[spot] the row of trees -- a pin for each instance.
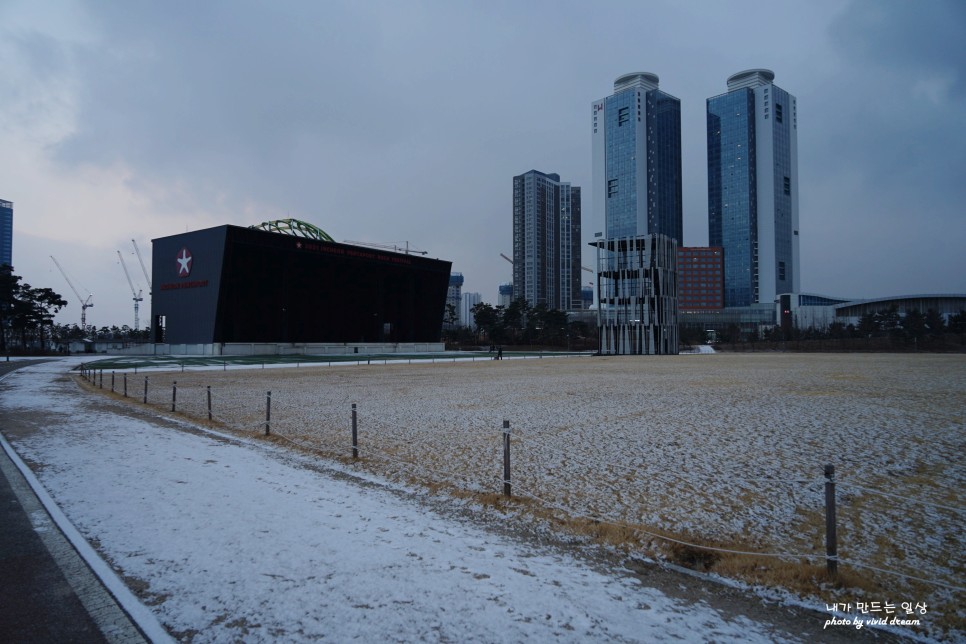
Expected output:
(68, 332)
(913, 325)
(26, 313)
(27, 318)
(521, 324)
(910, 326)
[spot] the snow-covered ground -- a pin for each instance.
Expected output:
(232, 540)
(728, 448)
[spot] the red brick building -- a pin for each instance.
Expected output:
(700, 278)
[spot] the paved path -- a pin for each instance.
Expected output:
(47, 591)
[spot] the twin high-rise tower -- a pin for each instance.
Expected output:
(753, 188)
(752, 134)
(637, 159)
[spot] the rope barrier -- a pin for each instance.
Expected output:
(446, 476)
(849, 562)
(899, 496)
(672, 539)
(932, 582)
(689, 478)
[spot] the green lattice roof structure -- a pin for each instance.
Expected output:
(295, 228)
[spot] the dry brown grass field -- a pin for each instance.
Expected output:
(720, 451)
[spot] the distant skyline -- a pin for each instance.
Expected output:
(405, 122)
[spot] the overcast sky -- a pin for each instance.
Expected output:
(398, 121)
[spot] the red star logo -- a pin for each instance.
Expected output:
(184, 262)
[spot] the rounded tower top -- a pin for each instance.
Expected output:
(646, 79)
(750, 78)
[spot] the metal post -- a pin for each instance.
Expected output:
(355, 433)
(145, 390)
(174, 394)
(125, 385)
(268, 414)
(102, 379)
(112, 381)
(209, 403)
(831, 546)
(506, 458)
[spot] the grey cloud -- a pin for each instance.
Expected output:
(389, 121)
(923, 38)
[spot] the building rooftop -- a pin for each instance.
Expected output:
(646, 80)
(750, 78)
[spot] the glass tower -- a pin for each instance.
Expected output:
(753, 188)
(6, 232)
(546, 241)
(637, 160)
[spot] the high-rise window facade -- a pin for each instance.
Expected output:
(467, 317)
(752, 188)
(546, 241)
(454, 302)
(700, 284)
(636, 134)
(6, 232)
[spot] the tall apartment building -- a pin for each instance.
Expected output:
(546, 241)
(6, 232)
(466, 311)
(637, 160)
(505, 295)
(454, 301)
(753, 188)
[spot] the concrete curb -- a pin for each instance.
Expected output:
(138, 613)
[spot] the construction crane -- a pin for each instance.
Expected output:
(85, 304)
(404, 249)
(144, 270)
(137, 295)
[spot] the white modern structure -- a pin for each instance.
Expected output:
(753, 188)
(637, 282)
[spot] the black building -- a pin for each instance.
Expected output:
(234, 284)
